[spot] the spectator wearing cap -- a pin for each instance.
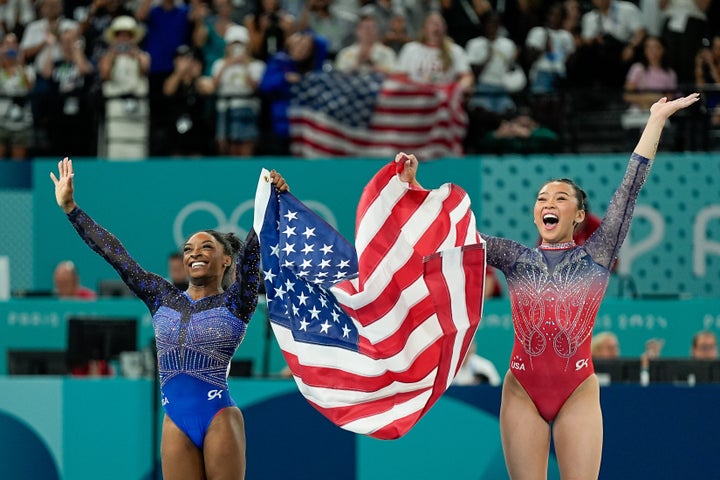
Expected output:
(100, 15)
(123, 72)
(187, 94)
(124, 66)
(236, 77)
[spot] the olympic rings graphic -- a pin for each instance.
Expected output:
(224, 223)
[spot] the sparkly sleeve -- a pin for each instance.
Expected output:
(147, 286)
(604, 244)
(501, 252)
(243, 294)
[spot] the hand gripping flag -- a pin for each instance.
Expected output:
(373, 337)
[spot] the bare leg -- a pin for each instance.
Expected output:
(525, 434)
(181, 459)
(578, 433)
(224, 446)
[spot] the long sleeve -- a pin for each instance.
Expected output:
(604, 244)
(147, 286)
(243, 294)
(502, 252)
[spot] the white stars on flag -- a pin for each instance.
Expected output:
(300, 268)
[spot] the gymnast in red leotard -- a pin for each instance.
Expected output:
(555, 292)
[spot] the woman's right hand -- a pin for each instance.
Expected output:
(64, 185)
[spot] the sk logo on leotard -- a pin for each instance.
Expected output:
(582, 363)
(213, 394)
(165, 401)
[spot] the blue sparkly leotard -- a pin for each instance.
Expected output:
(196, 340)
(555, 294)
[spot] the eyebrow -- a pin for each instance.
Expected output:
(547, 193)
(203, 243)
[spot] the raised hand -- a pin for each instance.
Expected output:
(64, 187)
(660, 111)
(410, 168)
(664, 108)
(279, 181)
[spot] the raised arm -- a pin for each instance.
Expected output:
(149, 287)
(660, 111)
(501, 252)
(604, 244)
(242, 294)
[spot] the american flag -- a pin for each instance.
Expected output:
(335, 114)
(373, 336)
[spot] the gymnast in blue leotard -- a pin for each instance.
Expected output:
(197, 332)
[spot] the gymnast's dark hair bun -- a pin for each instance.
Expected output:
(234, 242)
(230, 242)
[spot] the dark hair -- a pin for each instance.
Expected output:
(664, 60)
(580, 194)
(232, 245)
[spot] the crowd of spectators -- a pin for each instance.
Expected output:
(132, 78)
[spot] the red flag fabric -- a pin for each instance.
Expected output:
(374, 334)
(335, 114)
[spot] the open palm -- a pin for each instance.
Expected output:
(64, 187)
(666, 108)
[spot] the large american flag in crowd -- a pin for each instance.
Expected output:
(375, 334)
(335, 114)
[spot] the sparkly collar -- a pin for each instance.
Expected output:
(557, 246)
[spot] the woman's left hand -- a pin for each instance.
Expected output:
(664, 108)
(279, 181)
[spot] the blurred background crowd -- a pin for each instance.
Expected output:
(138, 78)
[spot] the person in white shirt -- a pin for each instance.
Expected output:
(435, 58)
(548, 48)
(610, 34)
(367, 54)
(236, 77)
(493, 59)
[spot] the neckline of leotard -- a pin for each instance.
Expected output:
(557, 246)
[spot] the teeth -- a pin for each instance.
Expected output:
(197, 264)
(550, 218)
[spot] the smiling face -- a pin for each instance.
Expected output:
(557, 212)
(205, 259)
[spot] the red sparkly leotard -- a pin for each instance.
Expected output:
(555, 295)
